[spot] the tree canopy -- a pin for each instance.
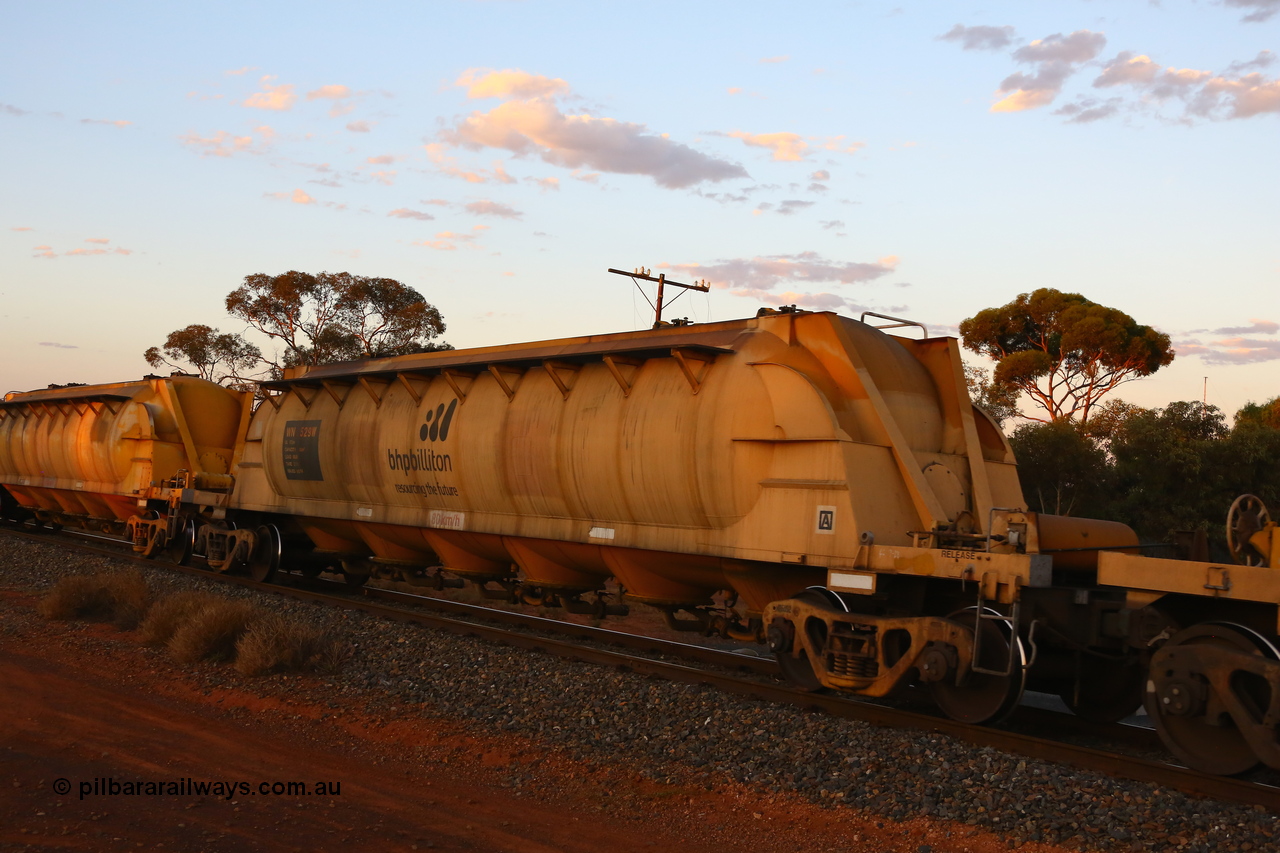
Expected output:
(314, 319)
(1157, 470)
(1262, 414)
(215, 355)
(331, 317)
(1064, 351)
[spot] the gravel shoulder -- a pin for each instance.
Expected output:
(449, 743)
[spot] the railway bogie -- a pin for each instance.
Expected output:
(797, 479)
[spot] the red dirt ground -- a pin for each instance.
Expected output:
(81, 703)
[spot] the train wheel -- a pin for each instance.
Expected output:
(183, 545)
(1106, 691)
(799, 670)
(985, 698)
(1191, 721)
(265, 559)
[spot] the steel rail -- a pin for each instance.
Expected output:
(1088, 758)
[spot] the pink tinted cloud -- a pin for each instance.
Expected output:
(446, 241)
(272, 97)
(510, 83)
(224, 144)
(764, 273)
(1241, 346)
(296, 197)
(1055, 58)
(539, 129)
(785, 146)
(485, 207)
(406, 213)
(1204, 94)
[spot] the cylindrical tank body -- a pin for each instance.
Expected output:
(93, 451)
(748, 454)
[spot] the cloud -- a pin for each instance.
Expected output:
(341, 96)
(1242, 346)
(539, 129)
(1080, 46)
(446, 241)
(271, 97)
(492, 208)
(790, 206)
(438, 202)
(100, 240)
(979, 38)
(829, 224)
(765, 272)
(785, 146)
(510, 83)
(498, 174)
(224, 144)
(381, 160)
(532, 125)
(1085, 110)
(1263, 10)
(297, 197)
(116, 123)
(1232, 350)
(58, 345)
(406, 213)
(331, 92)
(545, 184)
(385, 177)
(1242, 97)
(22, 228)
(1056, 58)
(10, 109)
(99, 252)
(837, 143)
(1255, 327)
(820, 175)
(1264, 59)
(239, 71)
(359, 126)
(774, 60)
(1229, 95)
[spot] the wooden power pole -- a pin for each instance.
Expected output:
(643, 274)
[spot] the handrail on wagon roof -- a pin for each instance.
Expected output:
(898, 322)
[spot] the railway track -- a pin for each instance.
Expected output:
(731, 672)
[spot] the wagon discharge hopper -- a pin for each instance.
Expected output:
(99, 457)
(751, 457)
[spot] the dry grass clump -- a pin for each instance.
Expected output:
(211, 632)
(121, 598)
(279, 643)
(171, 611)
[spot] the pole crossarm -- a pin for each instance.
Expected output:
(642, 274)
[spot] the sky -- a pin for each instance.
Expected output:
(923, 160)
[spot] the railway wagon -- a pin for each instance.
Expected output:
(711, 471)
(100, 456)
(797, 478)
